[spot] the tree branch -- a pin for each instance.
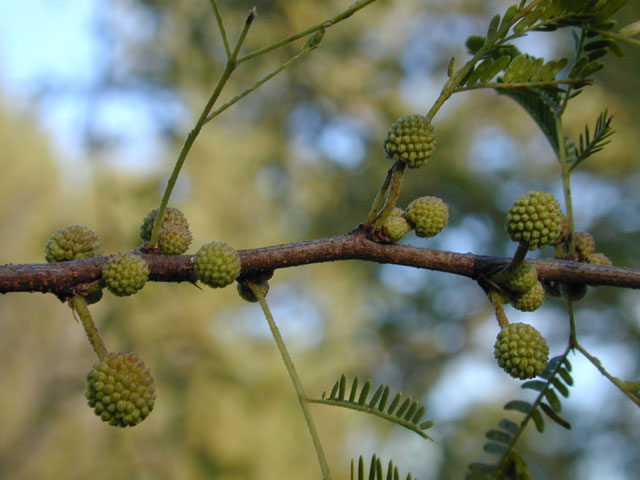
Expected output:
(65, 279)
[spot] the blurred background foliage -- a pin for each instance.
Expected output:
(299, 159)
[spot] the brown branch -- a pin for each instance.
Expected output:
(66, 278)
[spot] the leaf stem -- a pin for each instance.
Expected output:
(566, 180)
(295, 379)
(579, 48)
(394, 188)
(377, 202)
(544, 83)
(80, 306)
(516, 261)
(596, 363)
(496, 301)
(326, 24)
(616, 36)
(223, 32)
(371, 411)
(259, 83)
(573, 331)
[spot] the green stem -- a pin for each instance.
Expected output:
(596, 363)
(230, 66)
(496, 301)
(259, 83)
(326, 24)
(371, 411)
(616, 36)
(80, 306)
(545, 83)
(450, 86)
(573, 331)
(394, 188)
(566, 180)
(295, 379)
(516, 261)
(569, 91)
(377, 202)
(223, 32)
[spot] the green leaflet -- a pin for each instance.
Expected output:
(495, 448)
(376, 471)
(553, 400)
(538, 420)
(554, 416)
(499, 436)
(537, 385)
(518, 405)
(508, 425)
(493, 26)
(564, 391)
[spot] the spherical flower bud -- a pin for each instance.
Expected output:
(585, 245)
(172, 216)
(599, 259)
(521, 351)
(391, 228)
(72, 243)
(428, 215)
(217, 264)
(125, 274)
(530, 300)
(536, 219)
(522, 279)
(410, 139)
(174, 240)
(120, 389)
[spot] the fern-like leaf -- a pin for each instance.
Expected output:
(589, 145)
(402, 410)
(376, 472)
(553, 380)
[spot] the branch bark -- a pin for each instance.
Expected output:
(65, 279)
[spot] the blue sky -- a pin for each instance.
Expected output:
(51, 44)
(41, 39)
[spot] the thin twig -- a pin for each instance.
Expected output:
(596, 363)
(295, 379)
(326, 24)
(223, 32)
(79, 304)
(259, 83)
(546, 83)
(226, 73)
(616, 36)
